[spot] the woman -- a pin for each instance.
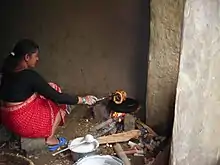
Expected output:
(31, 107)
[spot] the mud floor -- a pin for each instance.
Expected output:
(77, 124)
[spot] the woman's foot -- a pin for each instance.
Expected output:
(52, 140)
(55, 144)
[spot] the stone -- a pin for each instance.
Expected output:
(5, 134)
(196, 132)
(100, 112)
(129, 122)
(32, 146)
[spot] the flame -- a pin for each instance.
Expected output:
(118, 115)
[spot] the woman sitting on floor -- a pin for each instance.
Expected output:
(31, 107)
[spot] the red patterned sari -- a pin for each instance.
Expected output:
(34, 117)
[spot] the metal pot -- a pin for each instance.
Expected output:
(79, 154)
(99, 160)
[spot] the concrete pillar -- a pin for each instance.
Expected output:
(196, 131)
(166, 23)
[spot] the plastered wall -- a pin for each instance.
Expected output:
(163, 64)
(85, 46)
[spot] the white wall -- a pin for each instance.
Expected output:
(196, 133)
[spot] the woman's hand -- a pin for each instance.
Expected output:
(89, 100)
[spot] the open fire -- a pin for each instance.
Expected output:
(118, 116)
(112, 121)
(118, 119)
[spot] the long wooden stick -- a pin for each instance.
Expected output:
(119, 151)
(119, 137)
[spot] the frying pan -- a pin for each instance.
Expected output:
(128, 106)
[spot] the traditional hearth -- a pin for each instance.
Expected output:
(115, 122)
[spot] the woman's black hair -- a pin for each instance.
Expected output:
(22, 47)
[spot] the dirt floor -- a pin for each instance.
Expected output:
(78, 124)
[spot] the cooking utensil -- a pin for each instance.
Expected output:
(65, 149)
(100, 99)
(117, 97)
(83, 150)
(99, 160)
(128, 106)
(87, 139)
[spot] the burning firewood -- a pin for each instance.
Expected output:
(113, 125)
(103, 124)
(105, 130)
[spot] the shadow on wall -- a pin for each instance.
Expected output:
(166, 130)
(142, 51)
